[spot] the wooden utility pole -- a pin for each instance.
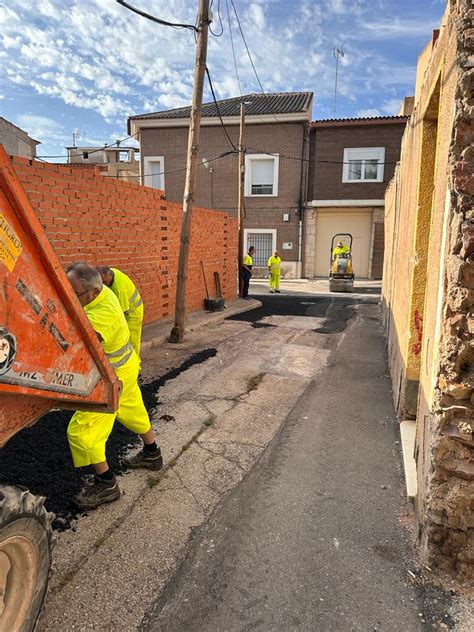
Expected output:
(241, 196)
(177, 333)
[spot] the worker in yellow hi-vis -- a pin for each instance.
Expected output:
(274, 266)
(340, 249)
(88, 431)
(130, 300)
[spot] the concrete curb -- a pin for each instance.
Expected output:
(155, 334)
(408, 435)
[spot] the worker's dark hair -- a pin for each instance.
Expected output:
(251, 248)
(87, 275)
(103, 269)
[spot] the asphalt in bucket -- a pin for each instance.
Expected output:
(39, 459)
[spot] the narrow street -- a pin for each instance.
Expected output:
(282, 502)
(313, 538)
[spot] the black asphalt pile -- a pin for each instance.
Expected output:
(39, 458)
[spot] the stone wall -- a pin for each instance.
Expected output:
(428, 290)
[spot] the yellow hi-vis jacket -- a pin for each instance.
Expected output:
(107, 318)
(274, 263)
(340, 250)
(124, 289)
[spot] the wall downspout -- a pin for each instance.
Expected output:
(302, 199)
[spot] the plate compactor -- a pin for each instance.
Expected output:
(341, 274)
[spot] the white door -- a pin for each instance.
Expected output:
(330, 222)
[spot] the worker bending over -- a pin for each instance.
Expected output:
(340, 249)
(130, 301)
(274, 265)
(88, 431)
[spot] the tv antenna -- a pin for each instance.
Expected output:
(75, 135)
(338, 52)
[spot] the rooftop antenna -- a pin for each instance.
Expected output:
(75, 135)
(337, 52)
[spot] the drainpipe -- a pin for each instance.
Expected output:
(302, 199)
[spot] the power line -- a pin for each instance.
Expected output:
(153, 18)
(330, 162)
(94, 151)
(219, 17)
(232, 45)
(163, 173)
(249, 55)
(218, 111)
(247, 48)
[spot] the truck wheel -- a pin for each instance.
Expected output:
(25, 557)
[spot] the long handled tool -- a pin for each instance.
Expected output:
(205, 282)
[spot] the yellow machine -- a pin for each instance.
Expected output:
(341, 274)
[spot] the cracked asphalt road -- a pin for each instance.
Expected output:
(235, 533)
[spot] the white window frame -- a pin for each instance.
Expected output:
(149, 168)
(363, 153)
(248, 174)
(272, 231)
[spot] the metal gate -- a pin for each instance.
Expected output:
(263, 244)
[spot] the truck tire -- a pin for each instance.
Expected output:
(25, 557)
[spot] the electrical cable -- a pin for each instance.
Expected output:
(331, 162)
(218, 111)
(247, 48)
(219, 17)
(249, 55)
(93, 151)
(163, 173)
(153, 18)
(232, 45)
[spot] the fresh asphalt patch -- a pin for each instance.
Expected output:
(39, 459)
(336, 310)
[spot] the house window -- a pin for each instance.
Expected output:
(261, 175)
(153, 172)
(363, 164)
(264, 242)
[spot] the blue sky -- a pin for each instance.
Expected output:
(86, 65)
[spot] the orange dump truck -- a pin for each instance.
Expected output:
(50, 358)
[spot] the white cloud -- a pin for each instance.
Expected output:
(97, 56)
(392, 106)
(369, 112)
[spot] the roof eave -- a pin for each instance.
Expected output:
(396, 120)
(213, 121)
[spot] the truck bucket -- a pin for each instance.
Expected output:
(50, 357)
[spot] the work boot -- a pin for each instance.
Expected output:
(271, 291)
(144, 459)
(277, 291)
(97, 492)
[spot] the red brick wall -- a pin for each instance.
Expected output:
(132, 227)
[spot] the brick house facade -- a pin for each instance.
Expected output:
(341, 200)
(274, 124)
(307, 199)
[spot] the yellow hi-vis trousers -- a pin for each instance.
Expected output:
(135, 324)
(88, 432)
(275, 279)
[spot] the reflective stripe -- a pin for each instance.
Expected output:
(119, 352)
(121, 362)
(135, 298)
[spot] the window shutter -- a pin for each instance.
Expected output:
(262, 172)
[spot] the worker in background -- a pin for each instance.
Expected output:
(247, 264)
(274, 266)
(340, 249)
(88, 431)
(130, 301)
